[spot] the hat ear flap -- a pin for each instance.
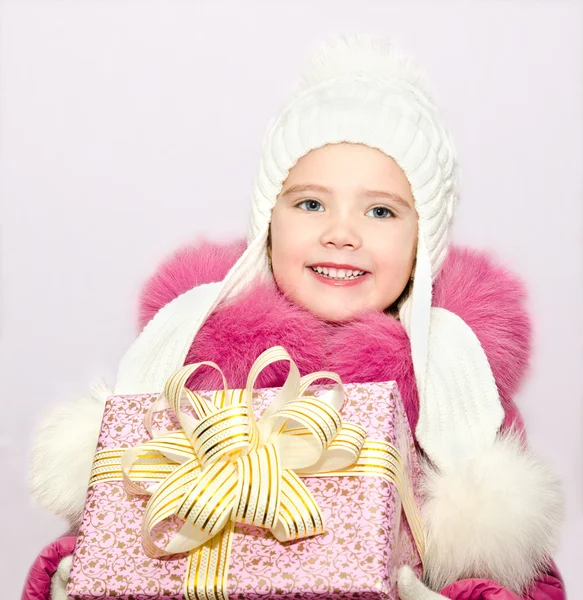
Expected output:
(163, 344)
(460, 412)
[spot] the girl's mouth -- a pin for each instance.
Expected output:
(339, 277)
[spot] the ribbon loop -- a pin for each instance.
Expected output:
(259, 494)
(300, 515)
(223, 433)
(209, 502)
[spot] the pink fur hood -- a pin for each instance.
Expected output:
(373, 347)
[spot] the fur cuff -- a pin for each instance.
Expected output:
(410, 588)
(60, 578)
(62, 455)
(498, 517)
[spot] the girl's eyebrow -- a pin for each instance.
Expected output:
(313, 187)
(306, 187)
(389, 195)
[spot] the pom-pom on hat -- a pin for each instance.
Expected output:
(358, 90)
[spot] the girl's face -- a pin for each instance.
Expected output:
(344, 232)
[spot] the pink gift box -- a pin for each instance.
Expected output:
(367, 536)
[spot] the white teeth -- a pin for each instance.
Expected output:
(338, 273)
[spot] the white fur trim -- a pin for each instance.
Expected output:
(60, 578)
(410, 588)
(496, 517)
(63, 452)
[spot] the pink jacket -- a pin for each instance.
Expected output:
(374, 347)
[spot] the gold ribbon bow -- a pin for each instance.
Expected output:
(227, 466)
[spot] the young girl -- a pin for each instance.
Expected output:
(348, 267)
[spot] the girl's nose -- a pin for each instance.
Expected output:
(341, 234)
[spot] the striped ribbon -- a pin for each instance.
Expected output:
(226, 467)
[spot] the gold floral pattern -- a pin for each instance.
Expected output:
(366, 540)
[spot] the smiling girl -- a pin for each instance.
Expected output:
(348, 266)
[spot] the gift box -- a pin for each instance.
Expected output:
(362, 522)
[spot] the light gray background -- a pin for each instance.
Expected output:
(129, 128)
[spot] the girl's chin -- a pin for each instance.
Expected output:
(340, 314)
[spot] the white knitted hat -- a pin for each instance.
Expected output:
(358, 90)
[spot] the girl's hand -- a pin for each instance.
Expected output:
(410, 588)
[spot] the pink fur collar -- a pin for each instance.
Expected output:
(373, 347)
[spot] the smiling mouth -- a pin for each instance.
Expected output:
(338, 274)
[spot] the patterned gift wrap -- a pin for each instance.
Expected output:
(369, 511)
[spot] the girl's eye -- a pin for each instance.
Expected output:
(312, 205)
(381, 212)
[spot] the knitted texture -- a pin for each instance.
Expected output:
(361, 90)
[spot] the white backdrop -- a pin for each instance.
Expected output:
(129, 128)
